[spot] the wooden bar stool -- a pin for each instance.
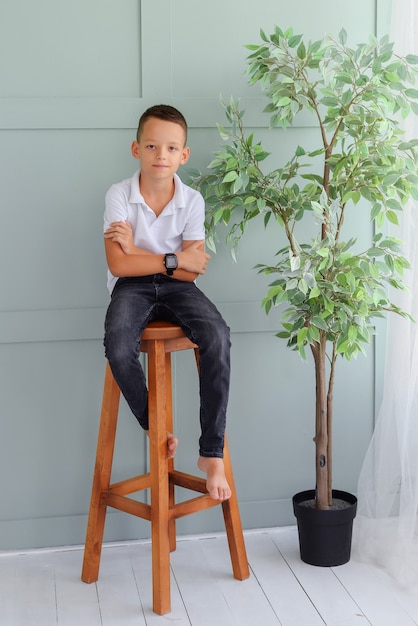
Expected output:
(159, 339)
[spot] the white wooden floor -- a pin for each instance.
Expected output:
(43, 588)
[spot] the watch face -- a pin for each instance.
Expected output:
(170, 262)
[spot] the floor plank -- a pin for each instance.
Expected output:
(141, 564)
(246, 599)
(332, 601)
(375, 593)
(43, 588)
(76, 603)
(117, 590)
(7, 590)
(282, 588)
(200, 588)
(33, 599)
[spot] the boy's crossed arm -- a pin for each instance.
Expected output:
(125, 259)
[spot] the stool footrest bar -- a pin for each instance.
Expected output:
(131, 485)
(188, 507)
(188, 481)
(128, 505)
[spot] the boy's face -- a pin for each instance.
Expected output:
(160, 148)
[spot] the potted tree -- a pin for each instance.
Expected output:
(333, 291)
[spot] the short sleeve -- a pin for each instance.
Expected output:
(116, 206)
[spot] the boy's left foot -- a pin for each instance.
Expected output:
(216, 482)
(172, 443)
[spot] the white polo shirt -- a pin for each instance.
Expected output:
(183, 219)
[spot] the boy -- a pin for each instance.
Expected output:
(154, 241)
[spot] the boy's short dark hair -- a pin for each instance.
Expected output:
(162, 112)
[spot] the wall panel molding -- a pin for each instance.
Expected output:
(68, 113)
(87, 323)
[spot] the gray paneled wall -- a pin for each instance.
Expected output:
(74, 78)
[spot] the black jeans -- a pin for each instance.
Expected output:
(137, 301)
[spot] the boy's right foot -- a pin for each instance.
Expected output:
(216, 482)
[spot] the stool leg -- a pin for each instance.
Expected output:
(101, 478)
(157, 398)
(233, 525)
(170, 428)
(172, 522)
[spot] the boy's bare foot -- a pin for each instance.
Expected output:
(216, 482)
(172, 443)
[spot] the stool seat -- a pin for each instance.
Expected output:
(164, 330)
(158, 341)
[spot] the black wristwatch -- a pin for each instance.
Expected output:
(171, 263)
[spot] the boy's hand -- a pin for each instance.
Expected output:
(193, 258)
(121, 233)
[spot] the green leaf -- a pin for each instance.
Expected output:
(375, 252)
(294, 41)
(303, 286)
(389, 262)
(391, 179)
(301, 337)
(352, 334)
(375, 210)
(294, 263)
(223, 132)
(230, 177)
(392, 203)
(313, 334)
(314, 292)
(302, 352)
(353, 195)
(267, 217)
(323, 252)
(263, 35)
(301, 51)
(319, 322)
(344, 78)
(274, 291)
(330, 101)
(392, 217)
(282, 102)
(218, 216)
(342, 36)
(342, 347)
(291, 284)
(411, 93)
(374, 272)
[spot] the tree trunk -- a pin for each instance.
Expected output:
(330, 404)
(321, 430)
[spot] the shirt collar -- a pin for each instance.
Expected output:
(177, 201)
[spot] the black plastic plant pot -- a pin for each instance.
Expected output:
(325, 536)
